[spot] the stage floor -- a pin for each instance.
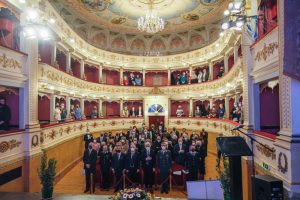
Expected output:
(37, 196)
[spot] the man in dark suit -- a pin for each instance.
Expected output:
(148, 165)
(87, 138)
(179, 152)
(201, 151)
(132, 164)
(118, 166)
(101, 138)
(5, 115)
(105, 164)
(164, 163)
(89, 160)
(157, 144)
(192, 163)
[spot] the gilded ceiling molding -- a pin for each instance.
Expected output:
(6, 62)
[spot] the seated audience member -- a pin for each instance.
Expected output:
(132, 164)
(64, 113)
(89, 161)
(77, 113)
(213, 112)
(140, 112)
(177, 80)
(148, 164)
(105, 164)
(118, 166)
(72, 112)
(87, 138)
(200, 75)
(183, 79)
(179, 152)
(125, 112)
(138, 80)
(198, 112)
(133, 112)
(5, 115)
(125, 80)
(179, 111)
(221, 72)
(205, 75)
(194, 78)
(221, 111)
(57, 113)
(192, 163)
(164, 163)
(131, 79)
(94, 113)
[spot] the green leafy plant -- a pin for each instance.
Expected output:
(47, 174)
(224, 176)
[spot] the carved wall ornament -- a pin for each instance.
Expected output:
(9, 62)
(282, 163)
(68, 129)
(267, 152)
(9, 145)
(81, 126)
(266, 51)
(34, 141)
(52, 134)
(42, 137)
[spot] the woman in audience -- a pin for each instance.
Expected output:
(131, 79)
(194, 78)
(57, 112)
(94, 113)
(200, 76)
(138, 80)
(125, 80)
(183, 79)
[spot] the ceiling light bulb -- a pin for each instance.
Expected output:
(226, 12)
(217, 45)
(239, 24)
(29, 32)
(44, 34)
(230, 6)
(32, 15)
(221, 34)
(52, 21)
(225, 25)
(51, 87)
(237, 5)
(72, 40)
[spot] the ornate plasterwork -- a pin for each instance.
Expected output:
(9, 145)
(97, 55)
(266, 152)
(267, 50)
(6, 62)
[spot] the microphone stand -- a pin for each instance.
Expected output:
(252, 140)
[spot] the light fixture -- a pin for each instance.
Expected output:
(226, 12)
(225, 25)
(151, 22)
(217, 45)
(32, 15)
(44, 34)
(51, 87)
(72, 40)
(29, 32)
(221, 34)
(52, 21)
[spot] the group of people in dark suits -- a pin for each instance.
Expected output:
(148, 149)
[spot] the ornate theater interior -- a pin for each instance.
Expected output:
(149, 99)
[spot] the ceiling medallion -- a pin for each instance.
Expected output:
(96, 5)
(151, 22)
(191, 17)
(118, 20)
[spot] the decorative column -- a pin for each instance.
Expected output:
(190, 71)
(100, 73)
(29, 110)
(82, 108)
(211, 102)
(100, 108)
(121, 75)
(169, 76)
(191, 113)
(235, 53)
(226, 106)
(52, 107)
(144, 77)
(236, 98)
(121, 107)
(53, 53)
(226, 63)
(68, 107)
(68, 61)
(82, 69)
(211, 71)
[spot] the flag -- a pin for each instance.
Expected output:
(252, 28)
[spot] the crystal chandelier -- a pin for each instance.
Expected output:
(151, 22)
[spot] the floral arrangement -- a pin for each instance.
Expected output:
(133, 194)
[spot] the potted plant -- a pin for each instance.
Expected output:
(47, 174)
(224, 176)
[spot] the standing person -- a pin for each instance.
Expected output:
(200, 76)
(148, 165)
(105, 164)
(205, 75)
(89, 161)
(125, 80)
(63, 113)
(118, 166)
(183, 79)
(87, 138)
(192, 163)
(94, 113)
(132, 164)
(57, 113)
(221, 111)
(77, 113)
(5, 115)
(164, 163)
(131, 79)
(72, 112)
(138, 80)
(179, 152)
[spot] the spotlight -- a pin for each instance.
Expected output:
(221, 34)
(225, 25)
(226, 12)
(29, 32)
(32, 15)
(44, 34)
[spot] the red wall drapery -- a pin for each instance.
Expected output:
(45, 51)
(91, 73)
(61, 60)
(43, 108)
(12, 101)
(88, 107)
(112, 76)
(75, 66)
(112, 109)
(151, 77)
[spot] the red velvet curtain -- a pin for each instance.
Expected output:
(75, 66)
(8, 25)
(43, 108)
(45, 51)
(61, 60)
(12, 101)
(231, 104)
(218, 102)
(269, 109)
(230, 62)
(91, 73)
(184, 105)
(88, 107)
(112, 77)
(60, 100)
(112, 109)
(152, 76)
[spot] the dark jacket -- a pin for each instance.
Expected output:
(132, 162)
(164, 160)
(118, 164)
(179, 157)
(148, 163)
(90, 157)
(5, 116)
(105, 160)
